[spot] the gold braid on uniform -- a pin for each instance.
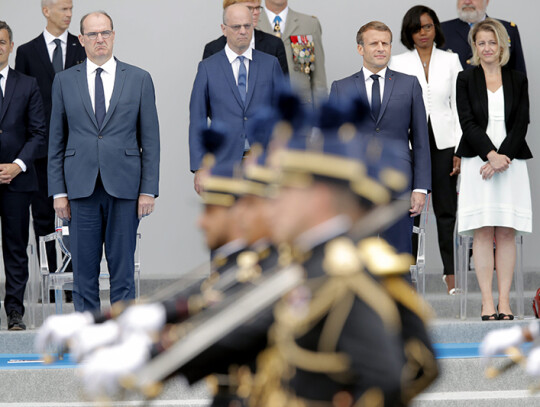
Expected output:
(419, 360)
(383, 262)
(381, 258)
(333, 297)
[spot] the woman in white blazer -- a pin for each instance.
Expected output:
(437, 72)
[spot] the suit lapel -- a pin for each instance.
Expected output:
(119, 80)
(507, 90)
(291, 25)
(360, 83)
(43, 54)
(227, 71)
(481, 90)
(264, 24)
(71, 47)
(82, 82)
(252, 77)
(258, 38)
(388, 86)
(11, 83)
(463, 30)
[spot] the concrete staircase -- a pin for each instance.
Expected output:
(461, 382)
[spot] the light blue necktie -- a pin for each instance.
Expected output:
(277, 26)
(242, 79)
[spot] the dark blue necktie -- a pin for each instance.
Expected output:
(375, 96)
(99, 98)
(1, 93)
(242, 79)
(57, 63)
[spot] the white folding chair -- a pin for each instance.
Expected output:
(418, 270)
(463, 266)
(59, 281)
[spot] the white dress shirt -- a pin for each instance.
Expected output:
(51, 45)
(283, 15)
(4, 72)
(235, 62)
(107, 77)
(369, 82)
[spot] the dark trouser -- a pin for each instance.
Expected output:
(444, 198)
(43, 211)
(97, 220)
(399, 235)
(15, 215)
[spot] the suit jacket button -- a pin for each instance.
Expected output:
(1, 131)
(100, 136)
(377, 130)
(245, 119)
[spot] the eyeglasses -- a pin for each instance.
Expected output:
(104, 34)
(426, 27)
(237, 27)
(257, 9)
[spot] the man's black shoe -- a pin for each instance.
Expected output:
(15, 322)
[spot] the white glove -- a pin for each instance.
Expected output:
(147, 318)
(92, 337)
(101, 371)
(499, 340)
(533, 363)
(58, 329)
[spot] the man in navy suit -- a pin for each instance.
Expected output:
(397, 113)
(261, 41)
(230, 87)
(456, 34)
(103, 161)
(53, 50)
(22, 138)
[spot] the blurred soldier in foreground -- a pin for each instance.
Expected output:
(338, 338)
(501, 341)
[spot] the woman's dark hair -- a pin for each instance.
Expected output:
(411, 24)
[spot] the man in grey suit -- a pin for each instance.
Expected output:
(103, 160)
(302, 36)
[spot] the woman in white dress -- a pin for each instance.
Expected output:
(495, 198)
(437, 72)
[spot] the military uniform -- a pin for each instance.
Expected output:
(456, 33)
(302, 34)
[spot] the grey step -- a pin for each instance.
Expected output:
(468, 375)
(501, 398)
(447, 306)
(64, 386)
(451, 330)
(448, 330)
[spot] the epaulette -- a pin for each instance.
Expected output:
(341, 258)
(381, 259)
(248, 268)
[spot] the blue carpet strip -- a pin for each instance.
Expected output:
(464, 350)
(35, 361)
